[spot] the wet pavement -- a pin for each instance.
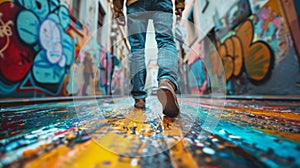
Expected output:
(109, 132)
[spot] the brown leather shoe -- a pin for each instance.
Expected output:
(139, 103)
(167, 97)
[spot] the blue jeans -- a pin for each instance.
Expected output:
(138, 14)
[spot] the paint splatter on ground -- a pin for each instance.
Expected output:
(110, 133)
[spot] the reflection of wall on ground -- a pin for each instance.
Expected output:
(38, 48)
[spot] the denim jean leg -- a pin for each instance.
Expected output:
(137, 27)
(167, 51)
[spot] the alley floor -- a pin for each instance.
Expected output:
(109, 132)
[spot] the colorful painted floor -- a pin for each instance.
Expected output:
(110, 133)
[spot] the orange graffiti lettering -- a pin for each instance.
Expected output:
(239, 50)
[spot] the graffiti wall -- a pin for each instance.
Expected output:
(258, 56)
(241, 53)
(37, 49)
(197, 73)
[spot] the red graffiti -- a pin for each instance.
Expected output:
(15, 58)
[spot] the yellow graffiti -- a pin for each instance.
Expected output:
(3, 1)
(240, 50)
(112, 143)
(5, 31)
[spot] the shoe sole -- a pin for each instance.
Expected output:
(166, 98)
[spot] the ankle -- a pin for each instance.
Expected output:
(168, 81)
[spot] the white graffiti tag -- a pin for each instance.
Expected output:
(5, 31)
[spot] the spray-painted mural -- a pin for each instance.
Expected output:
(254, 53)
(257, 54)
(240, 53)
(197, 75)
(37, 48)
(107, 65)
(270, 28)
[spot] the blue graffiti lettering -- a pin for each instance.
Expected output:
(46, 72)
(7, 88)
(27, 24)
(42, 24)
(54, 4)
(39, 7)
(68, 46)
(64, 16)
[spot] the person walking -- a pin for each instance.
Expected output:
(138, 14)
(87, 72)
